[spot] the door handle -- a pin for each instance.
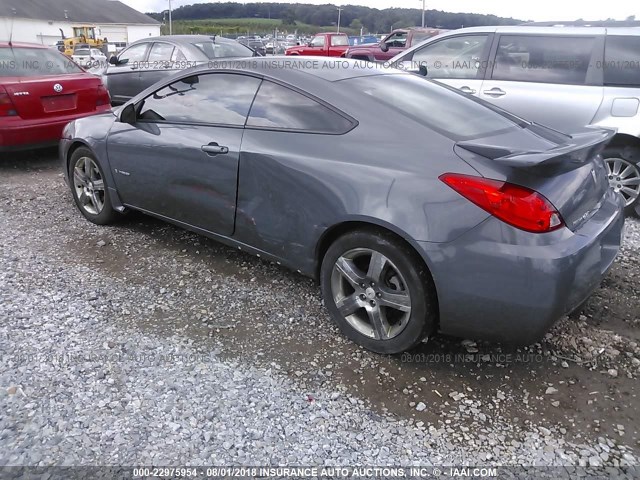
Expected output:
(214, 149)
(495, 92)
(468, 90)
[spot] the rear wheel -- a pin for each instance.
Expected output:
(378, 291)
(623, 169)
(89, 188)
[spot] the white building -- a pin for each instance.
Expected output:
(44, 21)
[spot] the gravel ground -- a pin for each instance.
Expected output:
(145, 344)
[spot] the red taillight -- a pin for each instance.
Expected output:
(519, 206)
(103, 97)
(7, 109)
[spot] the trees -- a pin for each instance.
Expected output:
(356, 24)
(373, 20)
(289, 17)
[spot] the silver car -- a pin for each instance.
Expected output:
(562, 77)
(150, 60)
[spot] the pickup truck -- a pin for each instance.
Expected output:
(323, 45)
(394, 43)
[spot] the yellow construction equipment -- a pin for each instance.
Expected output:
(82, 35)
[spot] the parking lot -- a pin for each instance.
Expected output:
(143, 343)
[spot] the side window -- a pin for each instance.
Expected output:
(135, 53)
(278, 107)
(161, 52)
(549, 59)
(178, 56)
(339, 40)
(456, 57)
(317, 41)
(217, 98)
(622, 60)
(398, 39)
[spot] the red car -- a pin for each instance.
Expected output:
(323, 45)
(41, 91)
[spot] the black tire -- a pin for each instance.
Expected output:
(630, 155)
(412, 278)
(106, 214)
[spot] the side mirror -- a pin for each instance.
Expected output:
(384, 47)
(423, 70)
(113, 60)
(128, 114)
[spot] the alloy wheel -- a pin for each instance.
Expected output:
(89, 185)
(624, 178)
(371, 293)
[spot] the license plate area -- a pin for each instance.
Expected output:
(59, 103)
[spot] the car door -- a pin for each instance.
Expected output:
(459, 61)
(123, 79)
(554, 80)
(159, 64)
(316, 46)
(179, 158)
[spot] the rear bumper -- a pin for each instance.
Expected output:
(20, 134)
(499, 283)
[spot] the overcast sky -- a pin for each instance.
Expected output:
(527, 10)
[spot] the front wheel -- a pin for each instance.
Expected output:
(378, 291)
(89, 188)
(623, 170)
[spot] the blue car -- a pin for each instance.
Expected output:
(365, 39)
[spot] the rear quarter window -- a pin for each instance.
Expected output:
(622, 61)
(279, 108)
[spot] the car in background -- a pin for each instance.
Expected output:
(149, 60)
(391, 45)
(323, 45)
(563, 77)
(88, 57)
(460, 217)
(255, 44)
(363, 40)
(41, 90)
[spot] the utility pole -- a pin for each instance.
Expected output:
(423, 10)
(339, 12)
(170, 23)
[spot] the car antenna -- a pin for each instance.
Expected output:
(13, 20)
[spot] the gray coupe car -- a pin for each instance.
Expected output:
(419, 209)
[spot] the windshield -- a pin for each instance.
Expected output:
(227, 49)
(32, 62)
(440, 108)
(81, 51)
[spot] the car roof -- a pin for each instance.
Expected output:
(22, 45)
(292, 69)
(185, 39)
(544, 30)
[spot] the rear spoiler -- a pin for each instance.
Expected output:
(579, 149)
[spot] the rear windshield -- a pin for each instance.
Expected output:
(440, 108)
(32, 62)
(219, 50)
(81, 51)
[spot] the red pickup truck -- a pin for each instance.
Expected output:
(323, 45)
(394, 43)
